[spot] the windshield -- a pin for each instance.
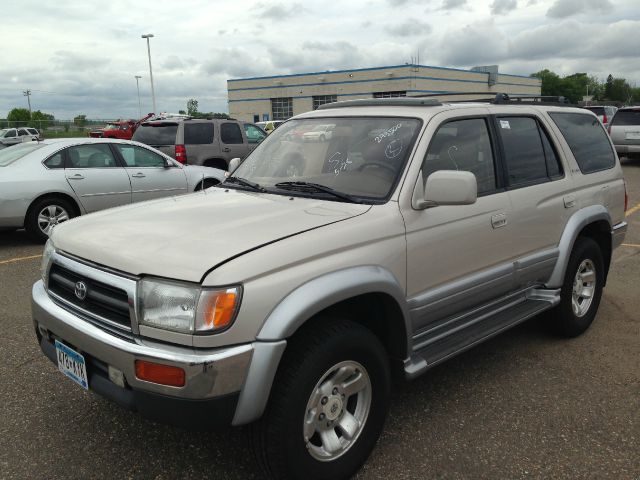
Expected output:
(361, 157)
(10, 155)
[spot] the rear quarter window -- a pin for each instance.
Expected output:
(587, 139)
(156, 134)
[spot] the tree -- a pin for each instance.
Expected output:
(40, 120)
(621, 91)
(182, 112)
(80, 120)
(20, 116)
(192, 107)
(608, 85)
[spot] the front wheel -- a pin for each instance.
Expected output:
(581, 291)
(45, 214)
(327, 406)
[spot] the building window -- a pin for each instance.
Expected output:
(322, 99)
(389, 94)
(282, 108)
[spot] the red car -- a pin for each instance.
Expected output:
(122, 129)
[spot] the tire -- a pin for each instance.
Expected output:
(206, 183)
(331, 350)
(45, 214)
(576, 311)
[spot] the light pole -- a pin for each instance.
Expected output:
(138, 77)
(153, 93)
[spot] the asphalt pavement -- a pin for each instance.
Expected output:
(523, 405)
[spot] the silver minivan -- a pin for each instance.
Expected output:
(625, 131)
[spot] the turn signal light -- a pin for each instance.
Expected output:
(219, 310)
(160, 374)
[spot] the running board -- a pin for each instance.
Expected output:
(468, 332)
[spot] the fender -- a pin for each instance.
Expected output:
(327, 290)
(293, 311)
(576, 223)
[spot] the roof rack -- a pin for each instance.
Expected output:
(505, 99)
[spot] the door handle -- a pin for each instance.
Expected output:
(499, 220)
(226, 149)
(77, 176)
(138, 175)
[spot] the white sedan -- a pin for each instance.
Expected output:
(319, 133)
(45, 183)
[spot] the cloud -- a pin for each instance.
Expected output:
(235, 62)
(279, 11)
(172, 62)
(409, 28)
(475, 44)
(453, 4)
(502, 7)
(567, 8)
(72, 61)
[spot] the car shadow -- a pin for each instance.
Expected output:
(17, 238)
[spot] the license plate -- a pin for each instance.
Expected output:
(632, 135)
(72, 364)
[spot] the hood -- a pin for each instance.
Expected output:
(184, 237)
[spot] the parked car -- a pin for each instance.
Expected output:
(210, 143)
(270, 126)
(13, 136)
(321, 133)
(43, 184)
(604, 113)
(123, 129)
(625, 131)
(295, 298)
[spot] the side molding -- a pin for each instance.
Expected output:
(326, 290)
(576, 223)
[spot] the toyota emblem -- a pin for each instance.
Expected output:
(81, 290)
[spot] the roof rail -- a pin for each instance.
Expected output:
(376, 102)
(506, 99)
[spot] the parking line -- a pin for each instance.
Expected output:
(19, 259)
(630, 245)
(632, 210)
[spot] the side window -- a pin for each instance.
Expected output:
(253, 133)
(198, 133)
(139, 157)
(523, 150)
(91, 156)
(463, 145)
(554, 170)
(11, 133)
(23, 132)
(230, 133)
(55, 161)
(587, 139)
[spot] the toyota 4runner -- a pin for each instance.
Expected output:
(316, 270)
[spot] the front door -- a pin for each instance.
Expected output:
(149, 176)
(459, 256)
(96, 178)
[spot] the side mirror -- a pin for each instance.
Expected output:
(233, 164)
(445, 187)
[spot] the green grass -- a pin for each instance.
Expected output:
(63, 134)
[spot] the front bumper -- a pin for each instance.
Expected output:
(214, 377)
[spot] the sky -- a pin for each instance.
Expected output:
(81, 57)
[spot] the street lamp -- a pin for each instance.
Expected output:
(138, 77)
(153, 93)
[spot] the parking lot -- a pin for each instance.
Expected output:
(523, 405)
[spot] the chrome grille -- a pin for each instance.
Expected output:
(106, 306)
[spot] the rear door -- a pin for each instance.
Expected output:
(232, 141)
(149, 176)
(96, 177)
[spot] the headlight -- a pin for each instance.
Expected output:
(47, 253)
(186, 308)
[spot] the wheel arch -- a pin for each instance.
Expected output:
(62, 195)
(219, 163)
(593, 222)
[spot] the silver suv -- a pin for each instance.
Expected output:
(625, 131)
(418, 230)
(210, 143)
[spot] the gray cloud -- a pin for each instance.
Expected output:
(173, 62)
(502, 7)
(409, 28)
(567, 8)
(453, 4)
(279, 11)
(72, 61)
(475, 44)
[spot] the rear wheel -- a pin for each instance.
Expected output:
(45, 214)
(327, 405)
(581, 291)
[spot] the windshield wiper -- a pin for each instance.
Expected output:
(245, 183)
(316, 187)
